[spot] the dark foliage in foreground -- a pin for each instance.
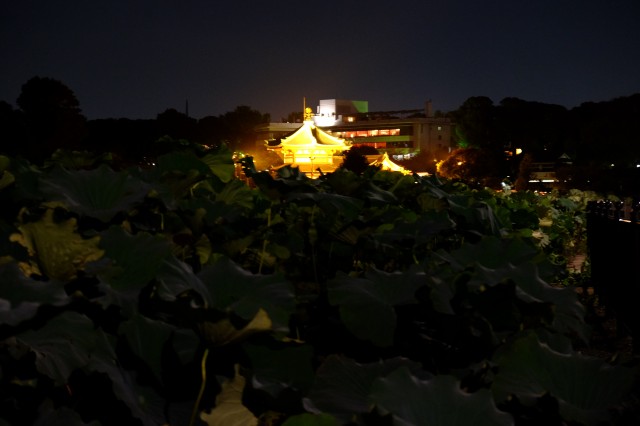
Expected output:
(178, 294)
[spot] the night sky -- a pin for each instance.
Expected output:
(137, 58)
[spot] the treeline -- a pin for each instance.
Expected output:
(49, 118)
(593, 132)
(600, 140)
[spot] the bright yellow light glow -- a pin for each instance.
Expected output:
(518, 151)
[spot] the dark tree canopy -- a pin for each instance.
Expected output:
(52, 116)
(471, 165)
(177, 125)
(355, 158)
(476, 122)
(239, 127)
(46, 96)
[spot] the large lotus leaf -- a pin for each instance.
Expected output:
(12, 245)
(59, 249)
(221, 163)
(421, 230)
(212, 211)
(429, 202)
(130, 264)
(367, 303)
(398, 183)
(175, 176)
(100, 193)
(432, 185)
(229, 410)
(345, 182)
(146, 338)
(585, 387)
(226, 332)
(307, 419)
(5, 162)
(66, 343)
(49, 415)
(568, 311)
(275, 369)
(21, 297)
(236, 193)
(135, 259)
(180, 162)
(342, 387)
(439, 401)
(76, 160)
(185, 343)
(6, 177)
(175, 278)
(27, 178)
(244, 293)
(377, 195)
(332, 204)
(144, 402)
(490, 252)
(478, 216)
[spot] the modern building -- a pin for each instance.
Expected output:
(401, 133)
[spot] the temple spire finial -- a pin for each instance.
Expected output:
(306, 112)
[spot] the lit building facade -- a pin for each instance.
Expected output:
(401, 134)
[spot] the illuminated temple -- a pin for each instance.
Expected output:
(310, 148)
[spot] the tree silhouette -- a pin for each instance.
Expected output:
(239, 127)
(177, 125)
(355, 158)
(537, 128)
(472, 166)
(476, 123)
(52, 116)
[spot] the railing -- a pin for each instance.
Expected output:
(613, 239)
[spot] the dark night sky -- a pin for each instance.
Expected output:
(136, 58)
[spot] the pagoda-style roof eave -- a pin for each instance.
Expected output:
(308, 136)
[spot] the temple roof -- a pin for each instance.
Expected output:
(386, 164)
(308, 135)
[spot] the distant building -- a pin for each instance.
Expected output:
(400, 133)
(330, 112)
(545, 173)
